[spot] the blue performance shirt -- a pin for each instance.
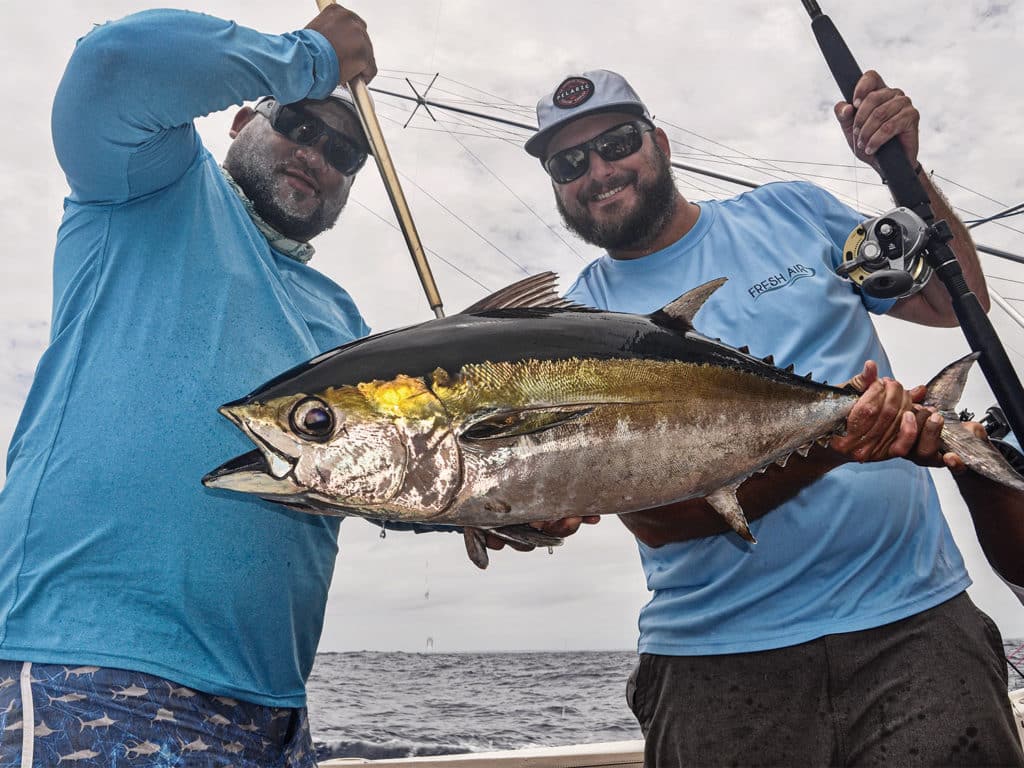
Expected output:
(168, 302)
(864, 545)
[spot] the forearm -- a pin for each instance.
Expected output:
(757, 496)
(933, 306)
(998, 515)
(126, 102)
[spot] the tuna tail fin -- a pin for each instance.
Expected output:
(978, 454)
(678, 315)
(947, 386)
(725, 503)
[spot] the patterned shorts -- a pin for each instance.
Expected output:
(90, 717)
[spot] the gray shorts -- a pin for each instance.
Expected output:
(92, 717)
(927, 690)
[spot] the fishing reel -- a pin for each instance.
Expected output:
(885, 255)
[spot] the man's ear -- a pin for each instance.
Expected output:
(661, 139)
(242, 118)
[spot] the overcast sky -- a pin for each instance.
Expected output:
(730, 81)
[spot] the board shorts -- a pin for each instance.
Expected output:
(92, 717)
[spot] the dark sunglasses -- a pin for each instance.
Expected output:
(302, 127)
(614, 144)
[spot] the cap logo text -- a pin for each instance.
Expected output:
(573, 92)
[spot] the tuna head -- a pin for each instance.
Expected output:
(382, 448)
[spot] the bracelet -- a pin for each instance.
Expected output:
(917, 172)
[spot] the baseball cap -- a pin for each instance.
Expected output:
(599, 90)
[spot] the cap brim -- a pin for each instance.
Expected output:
(537, 144)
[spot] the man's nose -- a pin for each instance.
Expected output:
(313, 154)
(599, 167)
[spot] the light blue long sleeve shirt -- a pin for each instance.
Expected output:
(167, 303)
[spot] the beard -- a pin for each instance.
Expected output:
(636, 228)
(255, 171)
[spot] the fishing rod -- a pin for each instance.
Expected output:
(381, 155)
(909, 193)
(700, 170)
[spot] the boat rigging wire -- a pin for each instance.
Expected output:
(431, 251)
(1014, 210)
(482, 125)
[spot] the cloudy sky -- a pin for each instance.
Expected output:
(741, 88)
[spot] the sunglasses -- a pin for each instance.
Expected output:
(305, 128)
(614, 144)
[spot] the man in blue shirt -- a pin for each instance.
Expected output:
(831, 640)
(142, 615)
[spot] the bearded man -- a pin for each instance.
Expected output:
(141, 615)
(820, 644)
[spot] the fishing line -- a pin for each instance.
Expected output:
(804, 175)
(1006, 279)
(511, 191)
(692, 180)
(432, 252)
(503, 104)
(466, 224)
(789, 173)
(517, 197)
(972, 191)
(718, 144)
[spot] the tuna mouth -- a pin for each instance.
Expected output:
(277, 463)
(251, 473)
(263, 471)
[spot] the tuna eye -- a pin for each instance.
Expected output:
(313, 418)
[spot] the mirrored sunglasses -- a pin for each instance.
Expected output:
(614, 144)
(302, 127)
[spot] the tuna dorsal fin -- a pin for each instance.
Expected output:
(535, 291)
(945, 389)
(679, 314)
(725, 503)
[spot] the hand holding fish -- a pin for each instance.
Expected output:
(346, 32)
(882, 424)
(929, 448)
(878, 113)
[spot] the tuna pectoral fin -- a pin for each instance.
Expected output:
(519, 536)
(526, 536)
(726, 504)
(515, 423)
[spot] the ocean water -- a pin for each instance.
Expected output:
(380, 705)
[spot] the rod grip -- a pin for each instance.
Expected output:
(896, 168)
